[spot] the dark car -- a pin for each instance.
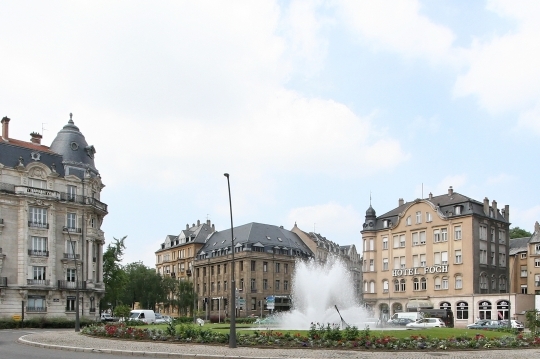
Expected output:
(105, 317)
(400, 322)
(487, 325)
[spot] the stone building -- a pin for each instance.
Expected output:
(264, 262)
(322, 248)
(448, 251)
(50, 220)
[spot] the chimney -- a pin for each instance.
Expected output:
(486, 206)
(187, 226)
(35, 138)
(450, 191)
(507, 213)
(400, 202)
(494, 206)
(5, 128)
(208, 222)
(213, 228)
(198, 223)
(430, 195)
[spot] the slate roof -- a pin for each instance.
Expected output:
(518, 245)
(535, 238)
(11, 151)
(444, 204)
(254, 234)
(195, 234)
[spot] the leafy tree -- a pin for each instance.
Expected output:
(122, 311)
(113, 274)
(143, 285)
(517, 232)
(185, 297)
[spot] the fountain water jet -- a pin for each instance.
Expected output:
(316, 290)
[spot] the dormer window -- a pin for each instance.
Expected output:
(457, 210)
(409, 221)
(386, 223)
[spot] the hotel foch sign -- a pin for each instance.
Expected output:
(420, 270)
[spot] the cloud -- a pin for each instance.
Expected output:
(503, 72)
(332, 220)
(500, 179)
(398, 27)
(525, 218)
(456, 181)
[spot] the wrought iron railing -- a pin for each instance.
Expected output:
(36, 309)
(38, 282)
(65, 284)
(68, 197)
(38, 253)
(92, 310)
(38, 225)
(71, 256)
(72, 229)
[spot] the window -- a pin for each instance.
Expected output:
(385, 286)
(396, 262)
(71, 192)
(458, 256)
(36, 303)
(444, 282)
(457, 210)
(36, 183)
(265, 266)
(386, 223)
(423, 237)
(537, 249)
(277, 268)
(524, 289)
(484, 309)
(286, 268)
(277, 285)
(502, 283)
(422, 260)
(492, 257)
(39, 274)
(242, 284)
(483, 256)
(444, 258)
(537, 262)
(70, 275)
(457, 233)
(39, 246)
(402, 285)
(253, 303)
(502, 236)
(372, 287)
(371, 244)
(253, 265)
(459, 282)
(492, 234)
(436, 236)
(523, 272)
(402, 241)
(437, 258)
(285, 285)
(409, 221)
(212, 287)
(482, 234)
(385, 243)
(502, 257)
(265, 284)
(241, 263)
(396, 285)
(462, 310)
(416, 284)
(71, 221)
(402, 262)
(437, 283)
(385, 264)
(428, 217)
(371, 265)
(415, 241)
(70, 303)
(415, 260)
(418, 217)
(212, 270)
(523, 255)
(444, 235)
(253, 284)
(38, 217)
(396, 241)
(483, 281)
(493, 283)
(219, 286)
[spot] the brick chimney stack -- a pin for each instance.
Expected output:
(450, 191)
(486, 206)
(35, 138)
(5, 128)
(401, 202)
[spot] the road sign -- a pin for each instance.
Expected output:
(270, 302)
(16, 317)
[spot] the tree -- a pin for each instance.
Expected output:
(144, 286)
(113, 273)
(185, 297)
(517, 232)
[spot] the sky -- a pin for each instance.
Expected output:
(312, 107)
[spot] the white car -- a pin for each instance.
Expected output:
(162, 319)
(515, 324)
(426, 323)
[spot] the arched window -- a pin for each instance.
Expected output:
(445, 305)
(372, 287)
(493, 282)
(396, 285)
(502, 283)
(409, 220)
(483, 281)
(502, 309)
(462, 310)
(402, 285)
(365, 286)
(459, 281)
(444, 283)
(385, 286)
(484, 309)
(437, 283)
(416, 284)
(423, 284)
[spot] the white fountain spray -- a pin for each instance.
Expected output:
(316, 290)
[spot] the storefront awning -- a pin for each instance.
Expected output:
(415, 304)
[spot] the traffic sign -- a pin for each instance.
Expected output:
(270, 302)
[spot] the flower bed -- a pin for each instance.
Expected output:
(319, 336)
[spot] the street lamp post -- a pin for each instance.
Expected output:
(232, 332)
(77, 321)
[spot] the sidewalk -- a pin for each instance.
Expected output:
(69, 340)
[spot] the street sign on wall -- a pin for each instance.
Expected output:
(270, 302)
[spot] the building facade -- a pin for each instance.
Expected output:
(51, 243)
(447, 251)
(322, 248)
(264, 260)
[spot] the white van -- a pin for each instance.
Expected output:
(414, 316)
(144, 315)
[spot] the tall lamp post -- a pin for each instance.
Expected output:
(77, 321)
(232, 332)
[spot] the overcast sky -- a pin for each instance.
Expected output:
(309, 105)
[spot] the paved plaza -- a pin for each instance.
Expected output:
(69, 340)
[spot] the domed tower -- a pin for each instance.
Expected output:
(78, 156)
(371, 218)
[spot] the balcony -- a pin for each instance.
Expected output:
(38, 225)
(40, 192)
(37, 253)
(71, 256)
(3, 281)
(46, 282)
(65, 284)
(95, 203)
(74, 198)
(92, 310)
(72, 230)
(36, 309)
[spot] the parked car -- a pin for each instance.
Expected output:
(371, 323)
(426, 323)
(106, 317)
(162, 319)
(478, 322)
(486, 325)
(515, 324)
(400, 322)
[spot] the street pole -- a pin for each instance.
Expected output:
(77, 321)
(232, 332)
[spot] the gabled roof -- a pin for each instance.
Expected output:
(535, 238)
(518, 245)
